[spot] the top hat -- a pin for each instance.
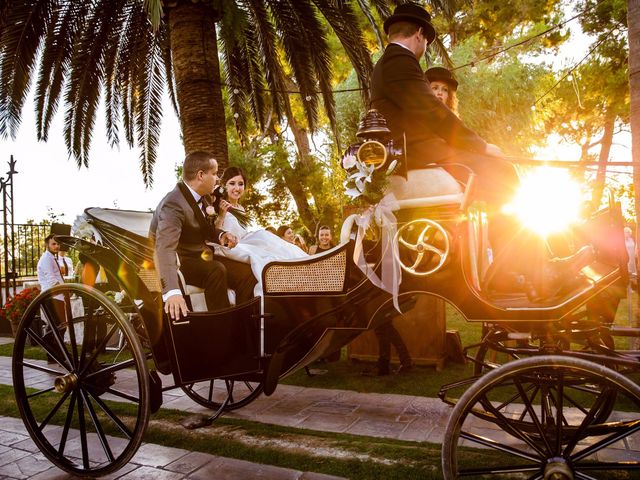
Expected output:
(60, 229)
(441, 74)
(411, 12)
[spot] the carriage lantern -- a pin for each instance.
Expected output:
(377, 147)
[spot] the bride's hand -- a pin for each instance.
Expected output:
(228, 240)
(224, 207)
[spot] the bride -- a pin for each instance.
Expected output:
(256, 248)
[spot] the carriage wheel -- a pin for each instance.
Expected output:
(213, 394)
(483, 440)
(83, 388)
(490, 354)
(498, 348)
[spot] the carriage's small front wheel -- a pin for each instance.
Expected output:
(83, 388)
(423, 247)
(228, 393)
(559, 400)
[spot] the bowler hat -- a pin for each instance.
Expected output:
(441, 74)
(414, 13)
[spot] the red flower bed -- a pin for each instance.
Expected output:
(16, 306)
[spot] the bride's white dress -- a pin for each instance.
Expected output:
(257, 248)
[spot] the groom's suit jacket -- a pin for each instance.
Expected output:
(401, 94)
(176, 229)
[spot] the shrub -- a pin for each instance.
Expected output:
(16, 306)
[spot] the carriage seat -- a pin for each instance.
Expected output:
(426, 187)
(196, 295)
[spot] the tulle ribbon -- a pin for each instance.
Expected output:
(382, 215)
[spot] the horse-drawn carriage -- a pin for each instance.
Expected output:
(555, 410)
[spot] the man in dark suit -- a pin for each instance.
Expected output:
(181, 229)
(434, 134)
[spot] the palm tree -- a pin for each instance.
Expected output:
(126, 52)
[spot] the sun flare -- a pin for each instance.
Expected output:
(548, 200)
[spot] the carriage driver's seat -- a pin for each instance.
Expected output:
(426, 187)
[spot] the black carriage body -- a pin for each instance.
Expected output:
(315, 306)
(458, 283)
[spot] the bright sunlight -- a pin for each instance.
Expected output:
(547, 201)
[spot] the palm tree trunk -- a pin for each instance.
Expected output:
(633, 19)
(194, 52)
(605, 149)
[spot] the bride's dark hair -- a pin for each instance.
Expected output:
(221, 192)
(231, 172)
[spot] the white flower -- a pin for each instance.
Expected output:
(118, 297)
(210, 210)
(349, 161)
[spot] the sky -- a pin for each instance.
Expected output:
(48, 180)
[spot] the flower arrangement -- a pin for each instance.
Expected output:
(218, 194)
(365, 185)
(15, 306)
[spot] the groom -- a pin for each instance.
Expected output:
(180, 229)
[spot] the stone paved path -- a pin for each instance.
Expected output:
(20, 459)
(401, 417)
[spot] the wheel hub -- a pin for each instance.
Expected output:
(65, 383)
(557, 468)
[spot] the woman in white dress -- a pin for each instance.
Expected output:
(256, 248)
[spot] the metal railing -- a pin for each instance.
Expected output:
(28, 247)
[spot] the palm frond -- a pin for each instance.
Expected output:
(154, 10)
(133, 36)
(267, 41)
(298, 44)
(383, 7)
(345, 25)
(258, 97)
(366, 10)
(149, 82)
(24, 27)
(165, 46)
(440, 51)
(55, 62)
(87, 76)
(112, 88)
(236, 71)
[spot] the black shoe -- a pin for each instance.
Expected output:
(561, 273)
(572, 264)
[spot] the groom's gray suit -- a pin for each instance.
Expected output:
(179, 227)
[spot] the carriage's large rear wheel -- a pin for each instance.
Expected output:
(83, 388)
(500, 346)
(483, 438)
(213, 394)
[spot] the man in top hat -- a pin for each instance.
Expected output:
(434, 134)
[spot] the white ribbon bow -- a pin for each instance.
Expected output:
(382, 215)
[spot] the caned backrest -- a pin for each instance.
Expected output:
(324, 272)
